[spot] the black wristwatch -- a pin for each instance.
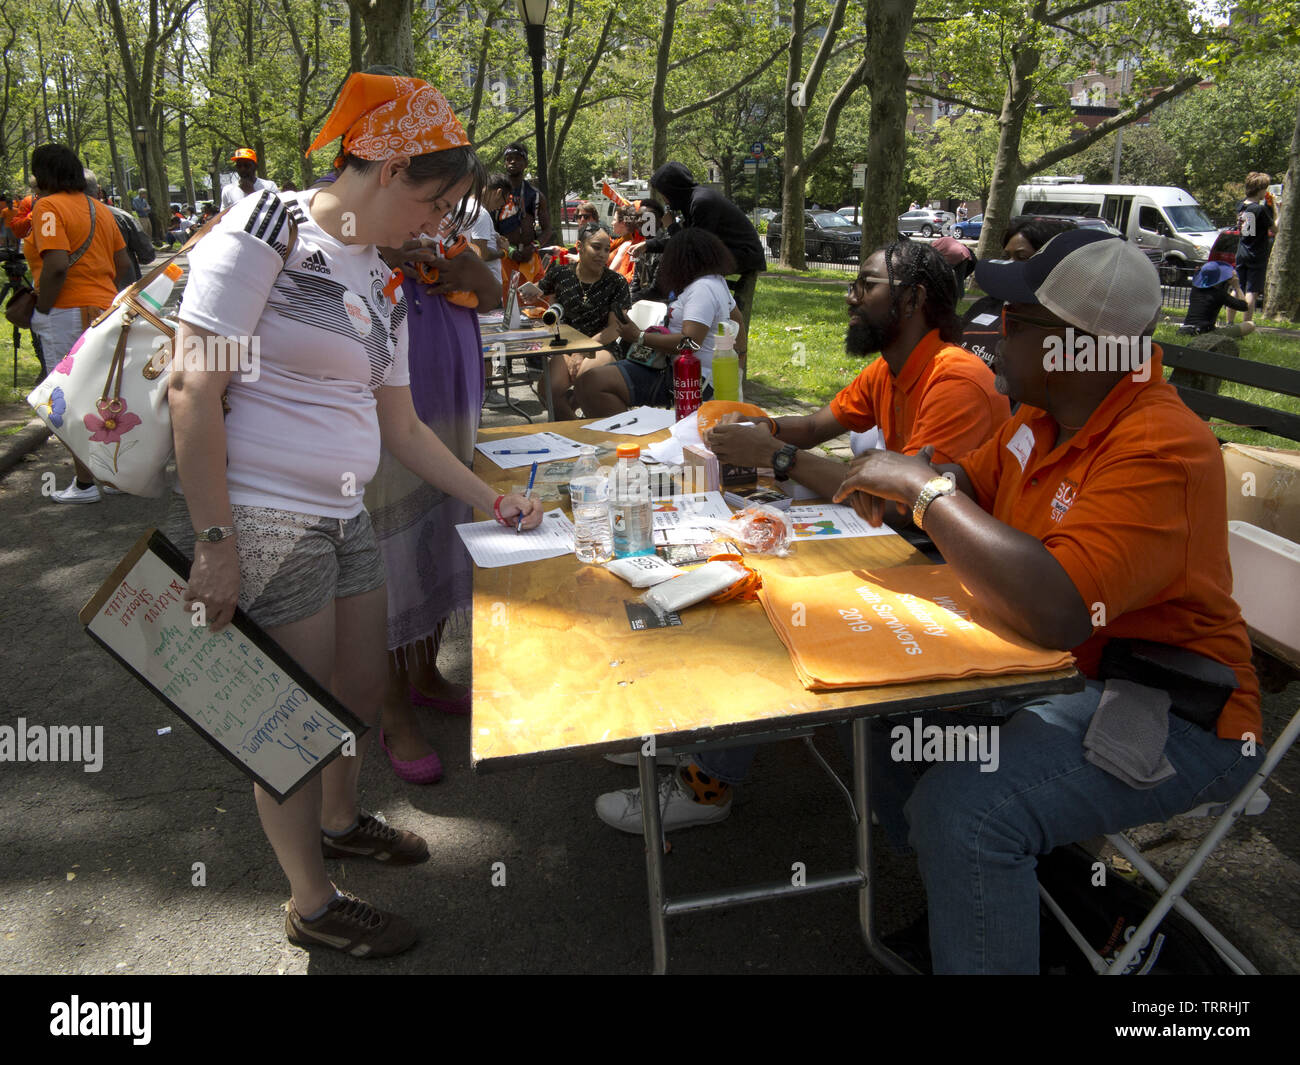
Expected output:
(783, 462)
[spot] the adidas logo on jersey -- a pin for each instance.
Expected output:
(316, 261)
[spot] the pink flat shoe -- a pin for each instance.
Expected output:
(426, 770)
(447, 706)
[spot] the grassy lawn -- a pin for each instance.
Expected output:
(28, 367)
(796, 339)
(790, 312)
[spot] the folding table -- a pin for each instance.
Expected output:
(537, 345)
(722, 674)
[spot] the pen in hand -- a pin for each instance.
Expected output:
(532, 476)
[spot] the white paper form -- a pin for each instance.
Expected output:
(681, 512)
(491, 544)
(516, 451)
(639, 421)
(832, 521)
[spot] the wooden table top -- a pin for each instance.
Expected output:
(558, 671)
(573, 342)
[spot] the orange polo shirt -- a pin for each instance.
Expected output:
(944, 397)
(1134, 509)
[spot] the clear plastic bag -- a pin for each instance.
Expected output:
(760, 530)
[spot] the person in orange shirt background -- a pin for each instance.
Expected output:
(21, 220)
(1095, 516)
(925, 390)
(79, 263)
(627, 232)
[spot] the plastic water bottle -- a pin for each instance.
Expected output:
(726, 363)
(154, 295)
(629, 505)
(593, 539)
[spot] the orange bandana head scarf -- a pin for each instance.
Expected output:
(380, 118)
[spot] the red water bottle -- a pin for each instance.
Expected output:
(688, 380)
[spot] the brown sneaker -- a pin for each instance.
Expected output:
(374, 839)
(352, 926)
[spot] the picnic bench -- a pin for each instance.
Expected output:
(1200, 368)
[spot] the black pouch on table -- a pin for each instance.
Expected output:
(1198, 686)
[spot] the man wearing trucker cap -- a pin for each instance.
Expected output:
(245, 160)
(1093, 518)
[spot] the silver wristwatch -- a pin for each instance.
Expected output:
(214, 534)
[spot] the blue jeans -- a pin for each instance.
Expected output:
(977, 835)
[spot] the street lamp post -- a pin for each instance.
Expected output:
(141, 138)
(534, 13)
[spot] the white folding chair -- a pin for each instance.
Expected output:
(1261, 564)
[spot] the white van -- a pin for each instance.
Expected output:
(1165, 222)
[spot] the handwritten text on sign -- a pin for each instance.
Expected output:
(224, 683)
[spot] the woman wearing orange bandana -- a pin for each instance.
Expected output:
(273, 492)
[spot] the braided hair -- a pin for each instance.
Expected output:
(913, 263)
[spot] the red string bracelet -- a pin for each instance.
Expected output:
(496, 509)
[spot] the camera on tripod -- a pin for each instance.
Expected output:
(14, 264)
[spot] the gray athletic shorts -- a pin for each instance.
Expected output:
(291, 565)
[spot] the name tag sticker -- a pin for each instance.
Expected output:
(1022, 445)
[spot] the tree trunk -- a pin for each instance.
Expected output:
(389, 38)
(356, 41)
(1007, 167)
(888, 23)
(658, 107)
(182, 139)
(115, 160)
(1284, 269)
(792, 175)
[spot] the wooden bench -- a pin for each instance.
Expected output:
(1201, 367)
(1198, 373)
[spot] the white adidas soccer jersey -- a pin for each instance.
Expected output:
(303, 435)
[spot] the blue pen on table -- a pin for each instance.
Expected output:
(532, 476)
(535, 451)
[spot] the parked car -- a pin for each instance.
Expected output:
(853, 214)
(927, 222)
(570, 211)
(1224, 249)
(766, 214)
(826, 235)
(969, 229)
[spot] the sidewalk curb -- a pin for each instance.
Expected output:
(22, 443)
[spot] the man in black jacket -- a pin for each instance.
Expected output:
(699, 205)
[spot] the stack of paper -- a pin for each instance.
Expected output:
(525, 450)
(491, 544)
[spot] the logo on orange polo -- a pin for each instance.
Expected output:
(1066, 492)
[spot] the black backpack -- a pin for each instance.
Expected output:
(1107, 915)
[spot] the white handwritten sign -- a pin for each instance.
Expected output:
(237, 688)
